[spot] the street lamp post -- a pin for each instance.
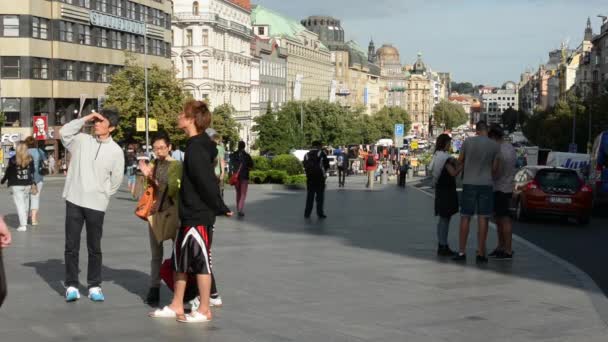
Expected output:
(146, 88)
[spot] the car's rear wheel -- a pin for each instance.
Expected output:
(520, 211)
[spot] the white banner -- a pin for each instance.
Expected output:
(332, 91)
(83, 99)
(297, 87)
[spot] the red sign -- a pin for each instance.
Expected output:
(41, 127)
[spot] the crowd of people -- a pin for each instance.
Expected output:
(487, 165)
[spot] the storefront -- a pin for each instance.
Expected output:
(10, 136)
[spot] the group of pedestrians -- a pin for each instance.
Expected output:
(24, 176)
(487, 166)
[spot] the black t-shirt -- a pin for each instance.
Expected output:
(17, 175)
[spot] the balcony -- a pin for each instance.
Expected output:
(212, 18)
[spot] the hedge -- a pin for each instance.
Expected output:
(288, 163)
(276, 177)
(296, 180)
(261, 163)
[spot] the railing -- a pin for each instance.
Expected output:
(213, 18)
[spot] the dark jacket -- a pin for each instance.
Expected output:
(314, 174)
(200, 199)
(446, 197)
(17, 175)
(241, 160)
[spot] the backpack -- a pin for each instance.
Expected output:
(313, 165)
(340, 161)
(370, 160)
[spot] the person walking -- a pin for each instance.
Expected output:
(504, 182)
(370, 167)
(95, 173)
(20, 177)
(241, 165)
(164, 175)
(5, 241)
(342, 162)
(444, 170)
(131, 172)
(479, 156)
(199, 203)
(52, 163)
(316, 164)
(39, 158)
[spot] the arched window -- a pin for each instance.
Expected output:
(195, 8)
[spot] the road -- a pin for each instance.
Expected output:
(582, 246)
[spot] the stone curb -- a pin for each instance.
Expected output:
(594, 293)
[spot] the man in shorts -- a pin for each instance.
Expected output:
(504, 182)
(479, 155)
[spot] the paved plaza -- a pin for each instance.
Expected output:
(367, 273)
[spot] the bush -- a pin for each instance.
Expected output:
(261, 163)
(276, 176)
(258, 177)
(287, 163)
(296, 180)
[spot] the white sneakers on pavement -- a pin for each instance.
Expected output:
(22, 229)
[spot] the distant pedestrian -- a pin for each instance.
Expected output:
(241, 164)
(316, 165)
(504, 182)
(164, 174)
(95, 174)
(131, 171)
(480, 157)
(371, 164)
(199, 203)
(342, 163)
(5, 241)
(20, 177)
(177, 154)
(39, 158)
(403, 170)
(52, 163)
(444, 169)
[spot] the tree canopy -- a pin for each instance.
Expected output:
(225, 125)
(449, 115)
(165, 100)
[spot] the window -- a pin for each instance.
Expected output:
(11, 67)
(188, 37)
(261, 31)
(102, 74)
(40, 28)
(102, 39)
(84, 35)
(11, 25)
(189, 69)
(205, 69)
(101, 5)
(82, 3)
(86, 72)
(131, 10)
(195, 8)
(40, 68)
(131, 42)
(116, 7)
(116, 39)
(205, 37)
(66, 31)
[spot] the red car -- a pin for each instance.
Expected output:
(543, 190)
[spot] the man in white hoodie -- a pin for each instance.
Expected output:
(95, 173)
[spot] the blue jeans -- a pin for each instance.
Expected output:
(477, 200)
(443, 227)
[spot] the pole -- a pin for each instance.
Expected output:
(590, 141)
(302, 122)
(574, 128)
(146, 87)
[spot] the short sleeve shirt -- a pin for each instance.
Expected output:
(506, 174)
(221, 154)
(479, 155)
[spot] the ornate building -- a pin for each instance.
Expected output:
(310, 71)
(357, 79)
(212, 54)
(419, 96)
(391, 70)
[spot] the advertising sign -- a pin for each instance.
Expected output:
(297, 87)
(117, 23)
(332, 91)
(399, 132)
(140, 125)
(41, 127)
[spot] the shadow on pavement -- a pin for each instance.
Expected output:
(53, 270)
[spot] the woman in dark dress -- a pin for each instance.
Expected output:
(445, 170)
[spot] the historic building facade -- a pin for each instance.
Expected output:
(212, 54)
(310, 71)
(419, 96)
(273, 74)
(391, 70)
(357, 80)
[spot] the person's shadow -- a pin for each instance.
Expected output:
(53, 270)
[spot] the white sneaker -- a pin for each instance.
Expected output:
(96, 295)
(72, 294)
(215, 301)
(195, 303)
(22, 229)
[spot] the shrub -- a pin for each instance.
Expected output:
(261, 163)
(287, 163)
(258, 177)
(296, 180)
(277, 176)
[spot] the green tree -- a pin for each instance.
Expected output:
(449, 115)
(462, 88)
(509, 119)
(225, 125)
(165, 100)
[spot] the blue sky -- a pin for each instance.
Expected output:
(484, 42)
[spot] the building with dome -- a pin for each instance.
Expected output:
(388, 59)
(419, 95)
(357, 78)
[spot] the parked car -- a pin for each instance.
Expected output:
(543, 190)
(598, 170)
